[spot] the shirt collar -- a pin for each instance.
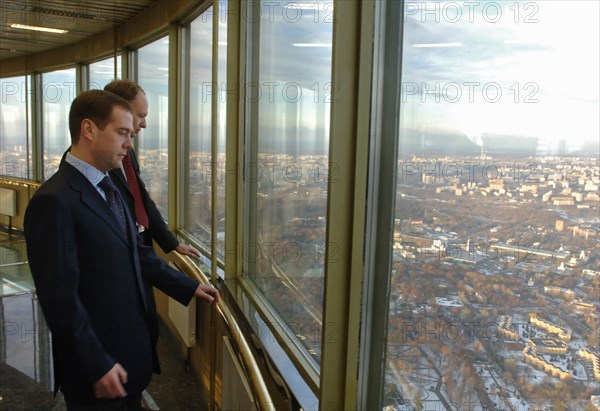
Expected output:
(90, 172)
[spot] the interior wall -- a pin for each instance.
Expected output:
(24, 193)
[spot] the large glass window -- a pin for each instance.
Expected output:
(289, 95)
(153, 142)
(102, 72)
(494, 283)
(200, 161)
(203, 160)
(15, 139)
(57, 92)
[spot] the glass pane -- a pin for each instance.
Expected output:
(103, 72)
(58, 91)
(14, 136)
(494, 287)
(200, 164)
(221, 129)
(293, 95)
(153, 142)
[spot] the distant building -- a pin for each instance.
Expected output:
(559, 292)
(560, 225)
(546, 196)
(548, 346)
(590, 186)
(532, 188)
(563, 200)
(541, 364)
(499, 186)
(505, 330)
(583, 306)
(583, 231)
(561, 333)
(594, 358)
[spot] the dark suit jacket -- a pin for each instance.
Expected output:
(91, 282)
(158, 230)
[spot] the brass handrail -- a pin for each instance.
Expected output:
(19, 182)
(259, 388)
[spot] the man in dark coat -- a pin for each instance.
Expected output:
(91, 269)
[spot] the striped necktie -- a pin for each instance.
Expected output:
(114, 202)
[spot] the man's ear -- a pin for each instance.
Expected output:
(87, 129)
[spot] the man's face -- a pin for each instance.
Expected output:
(139, 106)
(111, 144)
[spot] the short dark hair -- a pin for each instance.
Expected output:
(126, 89)
(95, 105)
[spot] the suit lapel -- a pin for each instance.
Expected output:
(92, 199)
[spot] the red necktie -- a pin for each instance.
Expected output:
(134, 187)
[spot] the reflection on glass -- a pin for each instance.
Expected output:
(58, 91)
(293, 95)
(14, 136)
(153, 142)
(25, 344)
(200, 166)
(494, 287)
(221, 128)
(103, 72)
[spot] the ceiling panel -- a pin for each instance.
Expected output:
(82, 18)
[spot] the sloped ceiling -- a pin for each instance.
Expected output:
(82, 18)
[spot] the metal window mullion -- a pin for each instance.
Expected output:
(381, 200)
(83, 73)
(234, 133)
(250, 159)
(129, 67)
(213, 143)
(30, 158)
(184, 85)
(173, 127)
(37, 128)
(342, 270)
(82, 77)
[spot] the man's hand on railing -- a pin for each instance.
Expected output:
(208, 293)
(188, 250)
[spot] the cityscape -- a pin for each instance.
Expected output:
(495, 285)
(495, 281)
(496, 274)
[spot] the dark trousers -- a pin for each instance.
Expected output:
(129, 403)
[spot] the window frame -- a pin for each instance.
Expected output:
(383, 149)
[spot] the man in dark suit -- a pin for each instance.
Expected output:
(91, 269)
(127, 178)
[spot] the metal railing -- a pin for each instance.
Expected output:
(257, 383)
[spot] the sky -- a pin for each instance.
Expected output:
(521, 69)
(504, 67)
(472, 68)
